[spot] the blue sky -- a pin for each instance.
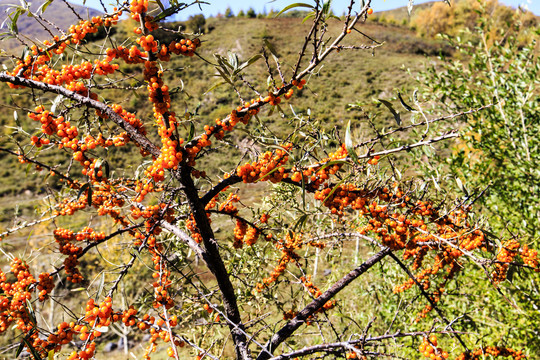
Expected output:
(219, 6)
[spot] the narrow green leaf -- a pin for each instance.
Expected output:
(33, 351)
(293, 6)
(300, 223)
(250, 61)
(31, 313)
(89, 196)
(57, 100)
(268, 174)
(20, 348)
(332, 16)
(392, 110)
(461, 186)
(224, 76)
(170, 11)
(83, 189)
(405, 105)
(233, 60)
(270, 47)
(197, 108)
(332, 163)
(459, 183)
(25, 52)
(12, 25)
(213, 87)
(326, 7)
(333, 190)
(101, 283)
(191, 132)
(437, 186)
(308, 16)
(106, 169)
(160, 5)
(224, 63)
(44, 7)
(97, 166)
(510, 273)
(303, 193)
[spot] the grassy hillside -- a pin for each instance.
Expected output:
(356, 78)
(57, 17)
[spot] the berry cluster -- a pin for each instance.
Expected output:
(268, 167)
(429, 349)
(45, 286)
(506, 255)
(162, 282)
(14, 297)
(138, 7)
(157, 333)
(191, 225)
(240, 230)
(170, 155)
(244, 234)
(354, 355)
(290, 243)
(494, 351)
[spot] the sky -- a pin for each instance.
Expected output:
(219, 6)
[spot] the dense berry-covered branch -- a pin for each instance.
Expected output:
(133, 133)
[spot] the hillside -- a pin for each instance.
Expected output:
(58, 16)
(358, 78)
(401, 15)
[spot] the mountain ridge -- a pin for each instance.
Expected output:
(56, 18)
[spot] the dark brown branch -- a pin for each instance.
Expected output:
(286, 331)
(231, 180)
(215, 263)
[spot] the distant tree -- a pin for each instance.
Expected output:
(196, 23)
(241, 13)
(229, 13)
(251, 13)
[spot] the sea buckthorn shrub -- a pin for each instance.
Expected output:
(499, 67)
(311, 245)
